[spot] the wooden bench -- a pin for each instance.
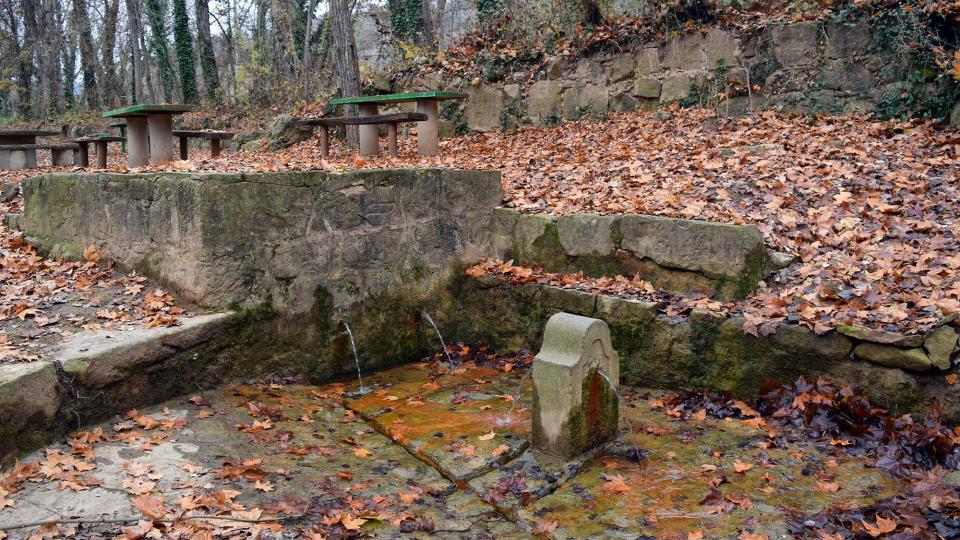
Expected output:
(213, 136)
(61, 154)
(391, 120)
(100, 140)
(427, 130)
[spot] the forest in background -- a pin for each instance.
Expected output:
(63, 58)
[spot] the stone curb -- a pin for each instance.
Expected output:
(36, 398)
(679, 255)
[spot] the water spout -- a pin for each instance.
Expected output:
(439, 335)
(361, 390)
(636, 456)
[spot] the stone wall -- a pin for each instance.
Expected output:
(706, 351)
(300, 252)
(804, 67)
(679, 255)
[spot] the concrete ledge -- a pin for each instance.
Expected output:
(29, 400)
(677, 255)
(98, 359)
(96, 375)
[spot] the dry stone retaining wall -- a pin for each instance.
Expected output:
(702, 350)
(803, 67)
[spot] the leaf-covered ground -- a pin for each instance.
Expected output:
(868, 207)
(437, 450)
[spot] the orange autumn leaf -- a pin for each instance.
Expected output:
(615, 484)
(883, 526)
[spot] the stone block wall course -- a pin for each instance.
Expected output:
(803, 67)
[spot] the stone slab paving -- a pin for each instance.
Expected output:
(301, 450)
(442, 450)
(464, 420)
(688, 481)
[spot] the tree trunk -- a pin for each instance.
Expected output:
(284, 50)
(438, 21)
(308, 33)
(134, 35)
(24, 53)
(88, 59)
(427, 37)
(158, 42)
(208, 60)
(183, 42)
(109, 84)
(348, 68)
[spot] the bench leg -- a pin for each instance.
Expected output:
(61, 158)
(19, 159)
(83, 155)
(392, 138)
(427, 130)
(101, 154)
(325, 141)
(184, 148)
(369, 134)
(161, 138)
(138, 148)
(214, 148)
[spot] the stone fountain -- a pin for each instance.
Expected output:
(575, 399)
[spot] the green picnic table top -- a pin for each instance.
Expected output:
(438, 95)
(147, 109)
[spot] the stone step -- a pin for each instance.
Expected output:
(678, 255)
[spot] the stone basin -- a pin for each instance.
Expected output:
(448, 449)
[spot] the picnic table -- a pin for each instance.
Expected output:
(155, 119)
(427, 103)
(27, 137)
(122, 127)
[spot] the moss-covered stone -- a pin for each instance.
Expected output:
(29, 399)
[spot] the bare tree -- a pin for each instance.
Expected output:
(345, 50)
(208, 61)
(110, 86)
(88, 60)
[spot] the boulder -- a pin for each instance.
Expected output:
(285, 130)
(648, 61)
(720, 46)
(676, 88)
(909, 359)
(941, 344)
(556, 66)
(847, 74)
(588, 70)
(575, 374)
(592, 99)
(647, 87)
(883, 337)
(484, 108)
(685, 53)
(795, 45)
(446, 129)
(543, 101)
(8, 191)
(622, 67)
(846, 40)
(586, 234)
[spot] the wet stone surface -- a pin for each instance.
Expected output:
(431, 451)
